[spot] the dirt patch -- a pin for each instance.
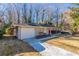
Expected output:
(16, 47)
(65, 43)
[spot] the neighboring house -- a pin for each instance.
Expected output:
(23, 31)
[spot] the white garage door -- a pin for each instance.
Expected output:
(27, 33)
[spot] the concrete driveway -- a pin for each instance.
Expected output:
(46, 49)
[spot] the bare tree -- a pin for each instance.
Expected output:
(30, 14)
(43, 13)
(62, 21)
(2, 14)
(18, 13)
(57, 16)
(24, 11)
(10, 15)
(37, 10)
(50, 16)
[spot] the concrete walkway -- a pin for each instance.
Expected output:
(36, 44)
(55, 51)
(46, 49)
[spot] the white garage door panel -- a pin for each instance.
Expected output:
(27, 33)
(19, 33)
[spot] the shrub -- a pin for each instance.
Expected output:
(2, 31)
(1, 34)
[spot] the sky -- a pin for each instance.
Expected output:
(62, 6)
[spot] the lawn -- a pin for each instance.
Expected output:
(65, 43)
(11, 47)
